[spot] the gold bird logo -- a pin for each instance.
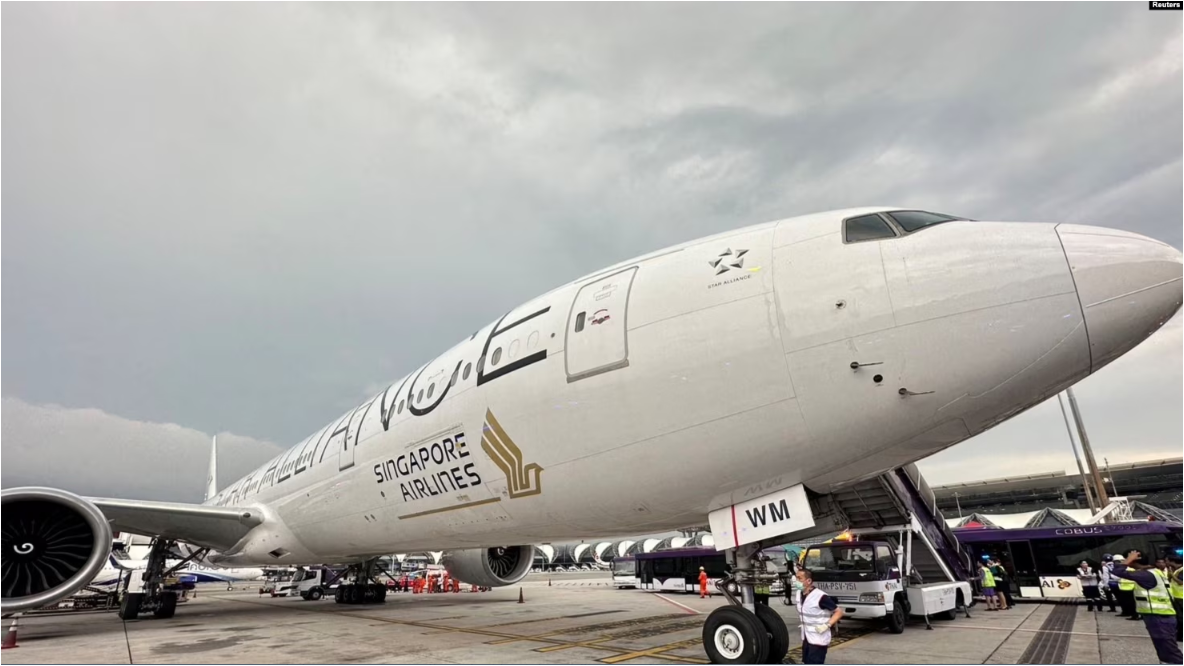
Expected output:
(521, 480)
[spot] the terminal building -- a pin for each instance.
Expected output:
(1156, 483)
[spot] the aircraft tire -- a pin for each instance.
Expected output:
(778, 633)
(129, 608)
(380, 594)
(733, 635)
(167, 607)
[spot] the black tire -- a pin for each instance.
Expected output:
(778, 634)
(733, 635)
(898, 617)
(953, 612)
(381, 598)
(339, 594)
(315, 594)
(129, 608)
(167, 607)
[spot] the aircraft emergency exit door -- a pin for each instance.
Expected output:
(596, 340)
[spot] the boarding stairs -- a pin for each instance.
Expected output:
(898, 498)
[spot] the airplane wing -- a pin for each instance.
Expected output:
(218, 527)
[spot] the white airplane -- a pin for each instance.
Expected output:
(774, 362)
(114, 569)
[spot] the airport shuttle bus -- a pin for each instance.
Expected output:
(624, 571)
(677, 570)
(1043, 561)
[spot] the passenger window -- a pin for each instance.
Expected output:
(912, 220)
(580, 321)
(400, 409)
(452, 382)
(431, 389)
(468, 367)
(867, 227)
(514, 349)
(497, 355)
(884, 555)
(419, 396)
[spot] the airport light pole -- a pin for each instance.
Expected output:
(1089, 495)
(1103, 496)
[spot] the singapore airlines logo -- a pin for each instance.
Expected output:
(522, 480)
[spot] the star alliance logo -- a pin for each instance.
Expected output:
(728, 260)
(521, 480)
(731, 261)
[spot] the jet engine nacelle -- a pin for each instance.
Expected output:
(54, 544)
(490, 567)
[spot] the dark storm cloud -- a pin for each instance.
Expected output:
(90, 452)
(245, 217)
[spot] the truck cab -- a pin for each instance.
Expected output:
(313, 583)
(864, 576)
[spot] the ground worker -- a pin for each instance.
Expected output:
(1089, 586)
(703, 593)
(1177, 591)
(760, 590)
(1001, 586)
(1126, 592)
(1109, 584)
(988, 580)
(1153, 602)
(819, 614)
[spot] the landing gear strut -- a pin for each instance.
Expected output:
(363, 588)
(745, 632)
(151, 589)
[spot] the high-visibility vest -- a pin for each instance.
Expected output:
(1126, 585)
(988, 578)
(1174, 586)
(1157, 600)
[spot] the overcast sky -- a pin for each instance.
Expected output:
(246, 218)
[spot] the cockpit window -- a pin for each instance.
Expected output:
(867, 227)
(912, 220)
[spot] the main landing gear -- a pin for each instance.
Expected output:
(744, 632)
(153, 589)
(363, 589)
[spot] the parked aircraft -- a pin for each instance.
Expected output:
(777, 361)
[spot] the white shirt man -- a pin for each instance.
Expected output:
(818, 614)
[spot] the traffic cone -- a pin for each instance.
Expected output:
(9, 637)
(521, 599)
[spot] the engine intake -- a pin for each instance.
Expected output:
(53, 544)
(490, 567)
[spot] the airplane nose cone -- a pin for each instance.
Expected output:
(1129, 285)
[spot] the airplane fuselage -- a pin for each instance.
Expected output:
(640, 398)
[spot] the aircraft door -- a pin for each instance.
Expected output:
(348, 436)
(596, 339)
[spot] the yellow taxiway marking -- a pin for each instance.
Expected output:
(657, 652)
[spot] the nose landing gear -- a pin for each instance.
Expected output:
(745, 632)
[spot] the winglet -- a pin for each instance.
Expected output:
(212, 474)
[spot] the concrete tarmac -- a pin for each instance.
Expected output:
(575, 619)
